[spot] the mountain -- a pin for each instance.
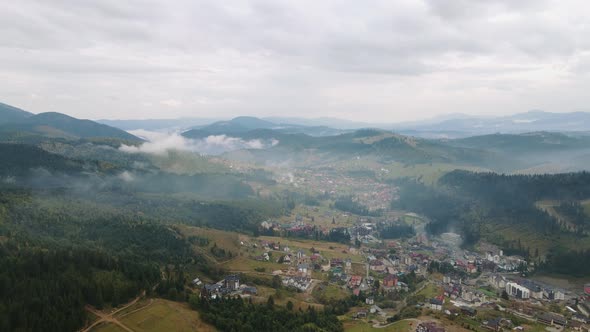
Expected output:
(25, 125)
(11, 114)
(236, 125)
(376, 143)
(325, 122)
(532, 121)
(244, 124)
(524, 143)
(159, 124)
(522, 153)
(537, 152)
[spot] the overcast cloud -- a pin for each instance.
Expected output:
(363, 60)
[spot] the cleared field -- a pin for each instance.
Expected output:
(226, 240)
(330, 291)
(586, 205)
(362, 326)
(327, 249)
(163, 315)
(430, 291)
(108, 327)
(427, 173)
(320, 216)
(245, 264)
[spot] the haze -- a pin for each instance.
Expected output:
(365, 61)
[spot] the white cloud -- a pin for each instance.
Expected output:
(160, 143)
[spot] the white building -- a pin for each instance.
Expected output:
(518, 291)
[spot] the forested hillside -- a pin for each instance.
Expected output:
(475, 203)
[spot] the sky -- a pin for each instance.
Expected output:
(377, 61)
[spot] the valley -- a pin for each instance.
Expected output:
(276, 229)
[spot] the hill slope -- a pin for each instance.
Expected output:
(22, 125)
(10, 114)
(18, 159)
(365, 142)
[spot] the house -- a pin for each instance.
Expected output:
(554, 294)
(429, 327)
(580, 318)
(435, 304)
(377, 265)
(497, 281)
(249, 290)
(355, 281)
(315, 257)
(370, 300)
(493, 324)
(211, 290)
(536, 292)
(468, 311)
(197, 282)
(550, 318)
(300, 254)
(302, 268)
(348, 264)
(360, 314)
(231, 282)
(390, 281)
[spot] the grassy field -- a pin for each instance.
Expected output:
(327, 249)
(430, 291)
(362, 326)
(586, 205)
(549, 207)
(245, 264)
(320, 216)
(161, 315)
(330, 291)
(223, 239)
(427, 173)
(108, 328)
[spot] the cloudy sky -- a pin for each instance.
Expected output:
(363, 60)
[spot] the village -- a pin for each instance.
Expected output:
(480, 290)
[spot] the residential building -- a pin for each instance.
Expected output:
(518, 291)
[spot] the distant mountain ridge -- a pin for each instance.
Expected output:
(455, 125)
(532, 121)
(243, 124)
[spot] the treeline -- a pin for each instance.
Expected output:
(572, 263)
(575, 213)
(468, 202)
(338, 234)
(46, 290)
(56, 257)
(235, 314)
(348, 204)
(53, 220)
(444, 209)
(464, 200)
(396, 231)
